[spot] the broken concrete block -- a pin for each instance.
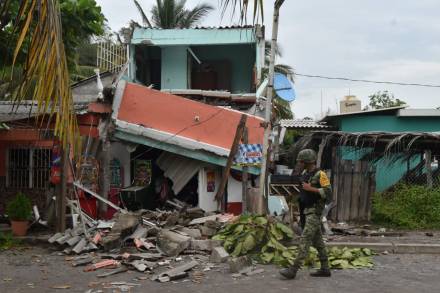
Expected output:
(219, 255)
(124, 226)
(55, 237)
(82, 262)
(62, 240)
(113, 272)
(237, 264)
(207, 231)
(199, 221)
(172, 243)
(204, 245)
(80, 246)
(177, 271)
(74, 240)
(193, 233)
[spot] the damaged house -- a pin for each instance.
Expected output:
(176, 114)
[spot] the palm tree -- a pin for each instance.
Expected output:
(45, 70)
(285, 69)
(169, 14)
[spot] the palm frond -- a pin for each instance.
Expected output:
(145, 19)
(268, 47)
(242, 7)
(45, 72)
(285, 69)
(195, 15)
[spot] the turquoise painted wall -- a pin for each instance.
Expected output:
(388, 123)
(172, 37)
(174, 67)
(242, 58)
(387, 175)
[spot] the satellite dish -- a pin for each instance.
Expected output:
(284, 87)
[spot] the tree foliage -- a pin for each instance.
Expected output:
(385, 99)
(173, 14)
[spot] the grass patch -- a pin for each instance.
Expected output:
(7, 241)
(408, 207)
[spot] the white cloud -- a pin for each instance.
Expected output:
(380, 40)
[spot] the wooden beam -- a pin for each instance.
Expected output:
(238, 134)
(62, 192)
(244, 177)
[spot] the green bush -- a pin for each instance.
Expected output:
(408, 207)
(20, 208)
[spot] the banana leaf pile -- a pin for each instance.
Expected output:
(263, 238)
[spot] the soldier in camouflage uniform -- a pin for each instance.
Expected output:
(316, 189)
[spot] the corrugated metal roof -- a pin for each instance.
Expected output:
(304, 124)
(179, 169)
(27, 109)
(419, 113)
(367, 112)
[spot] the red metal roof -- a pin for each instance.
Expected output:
(183, 117)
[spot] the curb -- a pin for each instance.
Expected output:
(397, 248)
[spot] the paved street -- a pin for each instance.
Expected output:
(38, 270)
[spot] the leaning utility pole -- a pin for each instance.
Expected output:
(268, 114)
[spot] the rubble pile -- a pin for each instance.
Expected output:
(167, 245)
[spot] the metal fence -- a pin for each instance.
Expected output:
(28, 168)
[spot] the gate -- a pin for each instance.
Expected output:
(353, 187)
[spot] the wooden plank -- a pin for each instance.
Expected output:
(341, 203)
(365, 189)
(348, 178)
(356, 191)
(371, 191)
(334, 181)
(238, 134)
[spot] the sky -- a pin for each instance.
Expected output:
(390, 40)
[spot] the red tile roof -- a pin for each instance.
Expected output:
(183, 117)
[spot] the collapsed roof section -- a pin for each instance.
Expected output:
(178, 125)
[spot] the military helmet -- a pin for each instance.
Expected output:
(307, 156)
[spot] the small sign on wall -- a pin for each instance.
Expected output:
(210, 179)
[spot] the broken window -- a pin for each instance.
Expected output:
(28, 168)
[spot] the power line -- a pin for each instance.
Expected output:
(369, 81)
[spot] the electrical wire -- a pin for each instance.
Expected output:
(369, 81)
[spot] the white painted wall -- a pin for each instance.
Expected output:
(120, 152)
(234, 190)
(207, 200)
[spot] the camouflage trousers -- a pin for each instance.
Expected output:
(311, 236)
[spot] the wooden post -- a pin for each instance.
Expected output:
(62, 192)
(268, 110)
(105, 176)
(428, 161)
(244, 178)
(234, 147)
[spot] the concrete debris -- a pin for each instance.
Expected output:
(199, 221)
(82, 262)
(80, 246)
(113, 272)
(176, 272)
(174, 241)
(219, 255)
(102, 264)
(237, 264)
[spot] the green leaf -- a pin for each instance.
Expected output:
(237, 250)
(260, 221)
(286, 230)
(249, 243)
(267, 257)
(367, 251)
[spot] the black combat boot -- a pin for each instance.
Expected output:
(322, 272)
(289, 273)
